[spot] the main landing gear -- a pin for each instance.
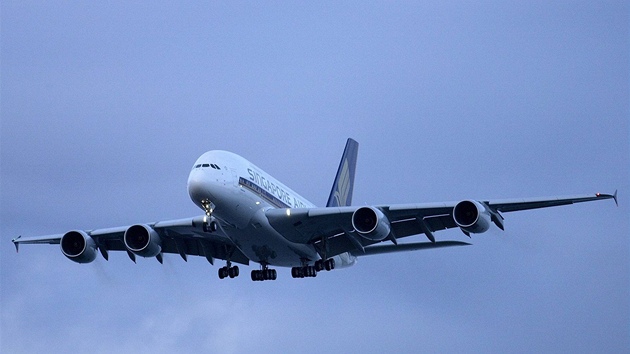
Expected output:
(264, 274)
(307, 271)
(228, 271)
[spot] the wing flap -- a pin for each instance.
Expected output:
(416, 246)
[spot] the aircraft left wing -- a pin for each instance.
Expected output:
(183, 236)
(335, 230)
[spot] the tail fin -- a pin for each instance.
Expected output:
(341, 193)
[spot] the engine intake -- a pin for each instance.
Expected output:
(370, 223)
(143, 241)
(472, 216)
(78, 246)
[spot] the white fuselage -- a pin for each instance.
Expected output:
(239, 194)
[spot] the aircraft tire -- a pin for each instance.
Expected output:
(319, 265)
(233, 272)
(223, 272)
(330, 264)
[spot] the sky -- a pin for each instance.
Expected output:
(105, 107)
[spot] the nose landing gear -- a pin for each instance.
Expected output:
(211, 226)
(208, 207)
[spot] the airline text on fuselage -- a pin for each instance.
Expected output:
(275, 190)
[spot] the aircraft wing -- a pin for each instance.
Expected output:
(184, 237)
(331, 230)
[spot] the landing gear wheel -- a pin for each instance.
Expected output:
(233, 272)
(319, 265)
(264, 274)
(212, 226)
(226, 271)
(330, 264)
(223, 272)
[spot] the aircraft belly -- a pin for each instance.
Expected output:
(261, 243)
(250, 230)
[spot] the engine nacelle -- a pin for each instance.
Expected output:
(370, 223)
(143, 241)
(472, 216)
(78, 246)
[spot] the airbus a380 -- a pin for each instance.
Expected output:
(249, 216)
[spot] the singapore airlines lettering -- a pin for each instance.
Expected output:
(270, 191)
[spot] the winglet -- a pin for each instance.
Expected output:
(341, 193)
(16, 243)
(608, 196)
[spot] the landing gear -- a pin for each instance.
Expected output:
(208, 207)
(264, 274)
(307, 271)
(228, 271)
(328, 264)
(210, 226)
(304, 272)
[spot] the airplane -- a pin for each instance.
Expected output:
(249, 216)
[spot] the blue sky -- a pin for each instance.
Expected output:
(105, 107)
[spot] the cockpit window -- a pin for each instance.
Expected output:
(213, 165)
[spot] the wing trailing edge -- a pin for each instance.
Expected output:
(416, 246)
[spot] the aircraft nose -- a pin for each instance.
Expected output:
(197, 186)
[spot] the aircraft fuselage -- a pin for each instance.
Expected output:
(238, 193)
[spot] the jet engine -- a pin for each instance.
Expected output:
(472, 216)
(370, 223)
(78, 246)
(143, 241)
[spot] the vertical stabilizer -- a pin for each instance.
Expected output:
(341, 193)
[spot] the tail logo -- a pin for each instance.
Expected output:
(343, 185)
(341, 191)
